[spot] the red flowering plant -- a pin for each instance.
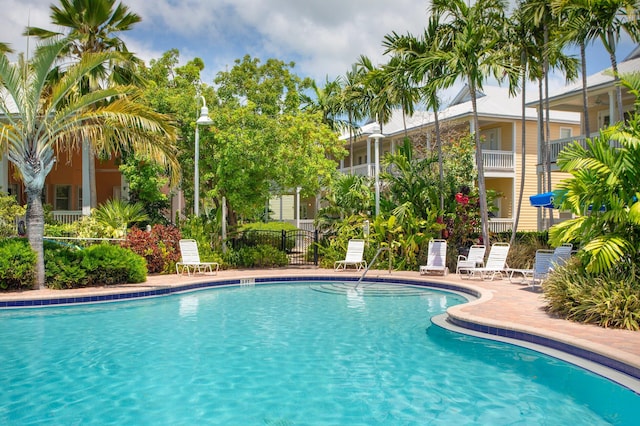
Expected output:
(463, 224)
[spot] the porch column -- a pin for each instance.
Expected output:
(86, 183)
(369, 157)
(613, 114)
(298, 207)
(4, 175)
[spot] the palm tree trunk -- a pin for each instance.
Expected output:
(482, 189)
(35, 232)
(616, 77)
(547, 109)
(585, 99)
(440, 159)
(523, 147)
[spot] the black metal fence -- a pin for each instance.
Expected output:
(300, 246)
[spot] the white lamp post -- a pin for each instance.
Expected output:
(376, 138)
(203, 120)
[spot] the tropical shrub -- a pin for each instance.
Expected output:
(107, 264)
(116, 215)
(159, 247)
(63, 266)
(261, 256)
(17, 264)
(269, 233)
(609, 299)
(9, 210)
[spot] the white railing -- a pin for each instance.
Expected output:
(67, 216)
(500, 224)
(558, 145)
(498, 160)
(362, 170)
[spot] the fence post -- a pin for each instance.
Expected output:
(315, 247)
(283, 242)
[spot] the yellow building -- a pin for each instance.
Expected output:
(500, 125)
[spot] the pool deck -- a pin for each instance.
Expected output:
(502, 305)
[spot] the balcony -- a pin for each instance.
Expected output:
(361, 170)
(558, 145)
(498, 160)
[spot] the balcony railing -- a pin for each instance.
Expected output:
(362, 170)
(500, 224)
(67, 216)
(498, 160)
(558, 145)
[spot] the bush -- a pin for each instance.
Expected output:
(608, 299)
(63, 266)
(17, 264)
(261, 256)
(160, 247)
(108, 264)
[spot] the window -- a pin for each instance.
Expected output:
(62, 197)
(565, 132)
(79, 189)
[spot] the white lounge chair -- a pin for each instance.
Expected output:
(496, 262)
(561, 255)
(191, 259)
(354, 256)
(436, 258)
(535, 275)
(474, 259)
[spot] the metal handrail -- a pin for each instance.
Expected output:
(371, 264)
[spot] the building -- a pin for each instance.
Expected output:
(500, 128)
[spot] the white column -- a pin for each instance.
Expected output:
(224, 224)
(4, 174)
(86, 179)
(298, 207)
(368, 156)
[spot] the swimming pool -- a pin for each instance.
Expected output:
(283, 354)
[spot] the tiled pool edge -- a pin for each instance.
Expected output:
(114, 296)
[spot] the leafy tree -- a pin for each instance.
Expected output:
(146, 181)
(45, 116)
(261, 136)
(604, 192)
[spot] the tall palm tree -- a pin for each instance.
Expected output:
(351, 101)
(326, 101)
(92, 26)
(41, 115)
(591, 19)
(473, 38)
(425, 72)
(375, 96)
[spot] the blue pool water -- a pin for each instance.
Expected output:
(283, 355)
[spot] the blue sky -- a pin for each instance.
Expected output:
(323, 37)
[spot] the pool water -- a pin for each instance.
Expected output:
(283, 355)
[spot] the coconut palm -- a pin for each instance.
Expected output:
(472, 41)
(41, 116)
(93, 26)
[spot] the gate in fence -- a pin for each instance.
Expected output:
(300, 245)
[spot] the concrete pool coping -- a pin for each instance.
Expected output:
(496, 308)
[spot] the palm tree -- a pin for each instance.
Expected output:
(351, 101)
(603, 193)
(472, 41)
(591, 19)
(375, 96)
(93, 26)
(326, 101)
(425, 72)
(46, 115)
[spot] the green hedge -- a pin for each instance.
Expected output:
(17, 264)
(68, 267)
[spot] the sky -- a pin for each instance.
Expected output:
(323, 37)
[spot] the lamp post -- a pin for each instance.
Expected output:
(376, 136)
(203, 120)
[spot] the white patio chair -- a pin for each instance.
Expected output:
(474, 259)
(191, 259)
(436, 258)
(535, 275)
(496, 262)
(354, 256)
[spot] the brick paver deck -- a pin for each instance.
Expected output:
(502, 304)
